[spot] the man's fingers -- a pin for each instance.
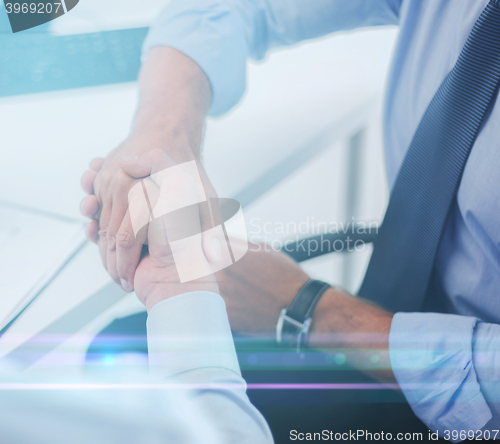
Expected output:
(130, 238)
(128, 253)
(155, 234)
(102, 238)
(87, 181)
(89, 206)
(116, 220)
(135, 167)
(210, 217)
(96, 164)
(113, 209)
(212, 245)
(89, 176)
(122, 183)
(91, 231)
(173, 192)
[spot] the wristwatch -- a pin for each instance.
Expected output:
(294, 322)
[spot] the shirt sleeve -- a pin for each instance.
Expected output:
(432, 358)
(190, 344)
(219, 35)
(486, 359)
(86, 412)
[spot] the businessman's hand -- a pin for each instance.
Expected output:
(175, 95)
(158, 274)
(156, 278)
(258, 286)
(108, 186)
(262, 283)
(124, 255)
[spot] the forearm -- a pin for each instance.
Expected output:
(174, 99)
(263, 282)
(357, 329)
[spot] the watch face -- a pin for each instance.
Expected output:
(170, 208)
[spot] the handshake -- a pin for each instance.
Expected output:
(159, 225)
(159, 232)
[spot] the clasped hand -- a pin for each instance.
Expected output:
(255, 288)
(152, 272)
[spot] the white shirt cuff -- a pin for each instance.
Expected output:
(190, 331)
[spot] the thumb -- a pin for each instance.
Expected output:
(146, 164)
(212, 235)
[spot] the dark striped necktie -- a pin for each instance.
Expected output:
(406, 246)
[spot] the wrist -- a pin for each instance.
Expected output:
(324, 317)
(174, 143)
(350, 317)
(163, 291)
(167, 130)
(172, 139)
(356, 330)
(175, 95)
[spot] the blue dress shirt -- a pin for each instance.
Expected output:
(447, 363)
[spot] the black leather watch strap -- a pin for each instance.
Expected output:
(302, 307)
(295, 320)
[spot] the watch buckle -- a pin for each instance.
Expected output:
(302, 326)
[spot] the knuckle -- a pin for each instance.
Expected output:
(101, 183)
(157, 152)
(158, 156)
(103, 178)
(122, 179)
(125, 239)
